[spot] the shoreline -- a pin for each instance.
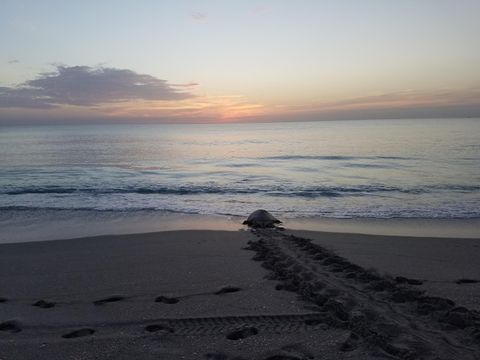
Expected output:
(60, 225)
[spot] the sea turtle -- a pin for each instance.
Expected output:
(261, 219)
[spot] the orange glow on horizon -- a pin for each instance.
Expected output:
(233, 108)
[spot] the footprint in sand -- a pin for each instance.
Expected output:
(242, 333)
(11, 326)
(466, 281)
(284, 357)
(78, 333)
(404, 280)
(44, 304)
(167, 300)
(216, 356)
(158, 327)
(227, 290)
(109, 299)
(315, 322)
(351, 343)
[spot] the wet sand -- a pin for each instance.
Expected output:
(240, 295)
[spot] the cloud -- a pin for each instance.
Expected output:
(410, 98)
(90, 86)
(411, 104)
(190, 84)
(23, 98)
(198, 16)
(13, 61)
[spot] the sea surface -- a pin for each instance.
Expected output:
(331, 169)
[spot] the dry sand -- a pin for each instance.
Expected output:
(239, 295)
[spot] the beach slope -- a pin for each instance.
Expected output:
(266, 294)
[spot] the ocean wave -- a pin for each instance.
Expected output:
(334, 157)
(308, 157)
(238, 165)
(372, 166)
(9, 213)
(287, 191)
(93, 209)
(130, 190)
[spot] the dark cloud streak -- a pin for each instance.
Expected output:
(23, 98)
(88, 86)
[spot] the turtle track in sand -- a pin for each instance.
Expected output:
(226, 324)
(390, 317)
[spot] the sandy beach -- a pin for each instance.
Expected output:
(265, 294)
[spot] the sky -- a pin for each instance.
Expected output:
(237, 61)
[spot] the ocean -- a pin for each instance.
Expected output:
(380, 169)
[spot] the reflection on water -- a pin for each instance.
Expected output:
(337, 169)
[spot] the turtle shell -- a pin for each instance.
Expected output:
(261, 219)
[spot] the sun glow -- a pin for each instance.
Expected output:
(213, 108)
